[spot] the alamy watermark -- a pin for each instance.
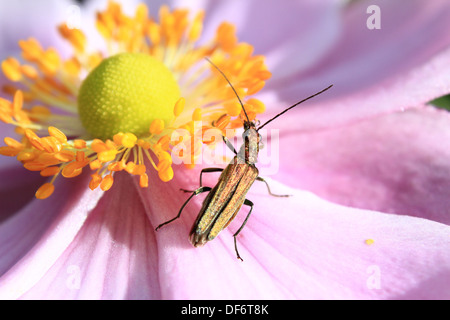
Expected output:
(374, 20)
(206, 147)
(73, 280)
(374, 280)
(73, 17)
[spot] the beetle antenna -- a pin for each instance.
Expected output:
(234, 90)
(316, 94)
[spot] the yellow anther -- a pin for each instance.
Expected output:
(75, 36)
(106, 156)
(197, 27)
(166, 175)
(222, 122)
(79, 144)
(47, 159)
(26, 156)
(369, 241)
(34, 139)
(58, 134)
(197, 114)
(226, 36)
(256, 87)
(154, 33)
(34, 166)
(45, 191)
(163, 165)
(116, 166)
(117, 138)
(107, 183)
(143, 180)
(31, 49)
(263, 74)
(135, 169)
(256, 105)
(179, 107)
(11, 69)
(65, 156)
(13, 143)
(98, 146)
(130, 167)
(95, 164)
(29, 72)
(164, 155)
(233, 108)
(129, 140)
(50, 171)
(144, 144)
(5, 117)
(141, 13)
(18, 101)
(9, 151)
(72, 170)
(72, 67)
(69, 87)
(95, 181)
(51, 144)
(80, 156)
(164, 143)
(49, 62)
(157, 126)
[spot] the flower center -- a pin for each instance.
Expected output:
(125, 93)
(153, 86)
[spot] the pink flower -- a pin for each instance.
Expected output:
(367, 165)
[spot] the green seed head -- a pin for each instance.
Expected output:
(125, 93)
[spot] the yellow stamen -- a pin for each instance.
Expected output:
(58, 134)
(197, 115)
(11, 69)
(95, 181)
(129, 140)
(157, 126)
(166, 175)
(50, 171)
(107, 183)
(143, 180)
(179, 107)
(112, 111)
(45, 191)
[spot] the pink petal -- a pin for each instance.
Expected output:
(283, 33)
(27, 18)
(320, 246)
(7, 130)
(32, 239)
(302, 247)
(17, 188)
(20, 20)
(402, 65)
(110, 255)
(89, 11)
(397, 163)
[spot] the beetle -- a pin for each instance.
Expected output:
(227, 197)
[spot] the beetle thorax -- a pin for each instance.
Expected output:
(250, 148)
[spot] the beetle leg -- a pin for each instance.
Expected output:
(201, 173)
(229, 145)
(250, 204)
(194, 193)
(270, 192)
